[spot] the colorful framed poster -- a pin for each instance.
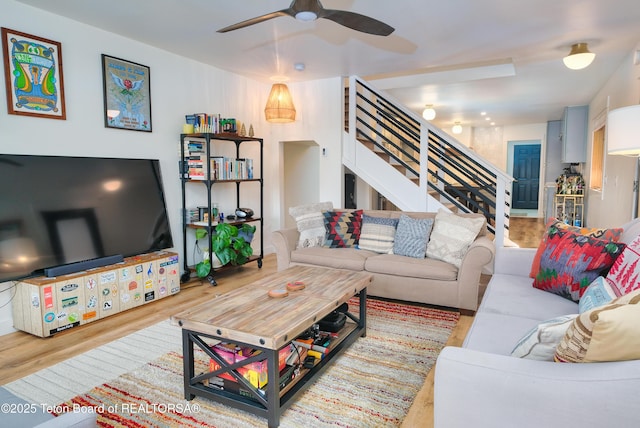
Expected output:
(33, 75)
(127, 94)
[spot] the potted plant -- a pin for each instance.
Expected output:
(229, 243)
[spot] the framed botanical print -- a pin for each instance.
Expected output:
(127, 94)
(33, 75)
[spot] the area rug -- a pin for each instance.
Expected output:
(372, 384)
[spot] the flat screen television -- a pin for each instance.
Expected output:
(62, 211)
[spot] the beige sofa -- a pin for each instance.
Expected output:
(399, 277)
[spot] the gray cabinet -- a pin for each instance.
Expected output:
(574, 134)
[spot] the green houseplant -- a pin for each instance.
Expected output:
(229, 243)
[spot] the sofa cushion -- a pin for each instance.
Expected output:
(377, 234)
(497, 333)
(599, 293)
(624, 275)
(310, 223)
(452, 235)
(607, 333)
(554, 224)
(412, 236)
(393, 264)
(342, 227)
(540, 342)
(338, 258)
(513, 295)
(570, 262)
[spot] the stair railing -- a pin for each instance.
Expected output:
(430, 158)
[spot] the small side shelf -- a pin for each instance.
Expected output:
(238, 171)
(569, 208)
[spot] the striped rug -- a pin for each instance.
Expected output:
(372, 384)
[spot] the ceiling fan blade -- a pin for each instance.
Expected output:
(256, 20)
(357, 22)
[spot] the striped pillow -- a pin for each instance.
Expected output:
(607, 333)
(377, 234)
(412, 236)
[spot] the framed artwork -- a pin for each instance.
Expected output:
(33, 75)
(127, 94)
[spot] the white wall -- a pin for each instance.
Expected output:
(613, 205)
(319, 119)
(301, 172)
(178, 86)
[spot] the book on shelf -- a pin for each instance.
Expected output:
(211, 123)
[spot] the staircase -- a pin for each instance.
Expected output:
(417, 166)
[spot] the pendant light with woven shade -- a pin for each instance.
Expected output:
(280, 108)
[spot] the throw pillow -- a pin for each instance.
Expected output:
(608, 333)
(570, 262)
(342, 228)
(598, 293)
(377, 234)
(412, 236)
(540, 343)
(624, 275)
(554, 224)
(310, 223)
(452, 235)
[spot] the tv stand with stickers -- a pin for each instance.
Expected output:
(44, 306)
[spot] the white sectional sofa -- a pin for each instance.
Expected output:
(481, 385)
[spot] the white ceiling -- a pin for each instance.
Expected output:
(464, 56)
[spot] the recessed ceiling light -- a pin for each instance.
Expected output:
(483, 113)
(487, 118)
(299, 66)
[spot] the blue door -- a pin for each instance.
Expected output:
(526, 172)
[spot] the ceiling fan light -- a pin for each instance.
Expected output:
(429, 113)
(280, 108)
(306, 16)
(457, 128)
(580, 57)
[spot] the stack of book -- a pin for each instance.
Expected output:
(191, 215)
(211, 123)
(225, 168)
(196, 167)
(195, 158)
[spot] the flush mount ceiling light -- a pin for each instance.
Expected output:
(457, 128)
(429, 113)
(280, 108)
(580, 57)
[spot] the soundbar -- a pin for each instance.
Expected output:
(82, 265)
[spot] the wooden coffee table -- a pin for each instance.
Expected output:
(249, 317)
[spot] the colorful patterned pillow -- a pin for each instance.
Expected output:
(608, 333)
(624, 275)
(570, 262)
(452, 235)
(598, 293)
(540, 343)
(377, 234)
(554, 224)
(310, 223)
(343, 228)
(412, 236)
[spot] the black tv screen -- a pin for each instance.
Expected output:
(58, 210)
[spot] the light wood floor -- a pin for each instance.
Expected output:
(22, 354)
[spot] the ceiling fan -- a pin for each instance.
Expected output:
(310, 10)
